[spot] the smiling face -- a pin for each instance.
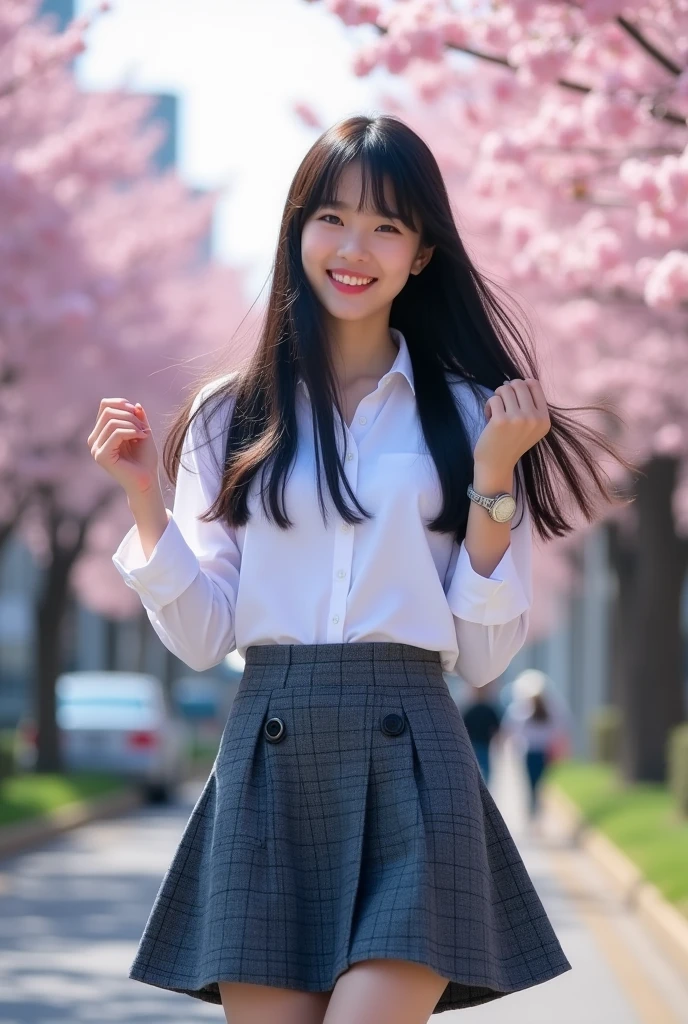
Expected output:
(359, 246)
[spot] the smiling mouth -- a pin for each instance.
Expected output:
(352, 289)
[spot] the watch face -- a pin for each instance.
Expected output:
(504, 508)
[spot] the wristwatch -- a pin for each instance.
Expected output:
(501, 508)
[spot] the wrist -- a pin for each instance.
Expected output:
(150, 498)
(150, 515)
(491, 480)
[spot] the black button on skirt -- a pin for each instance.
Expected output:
(345, 818)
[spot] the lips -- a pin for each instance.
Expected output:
(350, 289)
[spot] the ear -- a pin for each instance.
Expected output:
(422, 259)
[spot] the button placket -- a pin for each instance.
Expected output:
(365, 414)
(342, 557)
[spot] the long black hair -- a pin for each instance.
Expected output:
(453, 326)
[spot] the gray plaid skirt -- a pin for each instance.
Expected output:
(345, 818)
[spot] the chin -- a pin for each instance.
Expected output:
(351, 315)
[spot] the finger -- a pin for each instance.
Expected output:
(538, 394)
(509, 398)
(125, 421)
(109, 415)
(104, 447)
(115, 428)
(494, 407)
(524, 396)
(141, 413)
(114, 403)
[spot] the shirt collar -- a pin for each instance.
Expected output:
(401, 365)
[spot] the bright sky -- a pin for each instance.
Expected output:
(237, 67)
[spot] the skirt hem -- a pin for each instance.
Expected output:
(488, 993)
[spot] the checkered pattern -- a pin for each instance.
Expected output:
(340, 843)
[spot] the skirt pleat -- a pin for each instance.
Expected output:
(365, 831)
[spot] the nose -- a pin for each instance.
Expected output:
(353, 247)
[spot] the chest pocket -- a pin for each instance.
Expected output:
(405, 480)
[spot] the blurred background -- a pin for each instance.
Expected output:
(146, 149)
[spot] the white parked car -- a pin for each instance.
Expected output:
(118, 722)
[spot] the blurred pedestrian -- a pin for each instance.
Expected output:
(482, 717)
(538, 724)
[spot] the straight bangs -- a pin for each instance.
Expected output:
(378, 161)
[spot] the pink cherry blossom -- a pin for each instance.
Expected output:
(101, 294)
(667, 284)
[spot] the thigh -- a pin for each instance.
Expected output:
(246, 1003)
(380, 991)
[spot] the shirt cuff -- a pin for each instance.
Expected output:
(171, 568)
(490, 601)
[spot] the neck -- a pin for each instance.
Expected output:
(361, 350)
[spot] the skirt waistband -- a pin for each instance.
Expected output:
(375, 652)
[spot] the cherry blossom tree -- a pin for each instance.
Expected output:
(102, 291)
(561, 130)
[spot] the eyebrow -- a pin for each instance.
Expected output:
(339, 204)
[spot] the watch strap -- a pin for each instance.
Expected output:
(481, 499)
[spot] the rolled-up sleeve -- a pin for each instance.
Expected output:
(189, 584)
(491, 614)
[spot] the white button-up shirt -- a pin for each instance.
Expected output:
(209, 589)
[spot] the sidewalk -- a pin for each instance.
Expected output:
(618, 975)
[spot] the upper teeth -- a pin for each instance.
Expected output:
(346, 279)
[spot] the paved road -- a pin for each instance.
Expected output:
(618, 976)
(71, 915)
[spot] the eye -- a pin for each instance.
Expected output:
(338, 218)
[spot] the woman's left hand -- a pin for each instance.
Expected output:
(517, 418)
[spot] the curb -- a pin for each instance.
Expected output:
(25, 835)
(667, 924)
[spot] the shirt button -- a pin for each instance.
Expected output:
(362, 420)
(341, 573)
(335, 619)
(349, 456)
(346, 526)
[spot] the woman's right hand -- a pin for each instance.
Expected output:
(122, 443)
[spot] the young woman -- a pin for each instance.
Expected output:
(345, 520)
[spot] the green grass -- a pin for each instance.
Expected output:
(641, 819)
(203, 751)
(29, 795)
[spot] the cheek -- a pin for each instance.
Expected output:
(394, 254)
(401, 259)
(314, 247)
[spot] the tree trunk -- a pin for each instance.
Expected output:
(652, 694)
(67, 536)
(50, 615)
(142, 629)
(111, 635)
(622, 555)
